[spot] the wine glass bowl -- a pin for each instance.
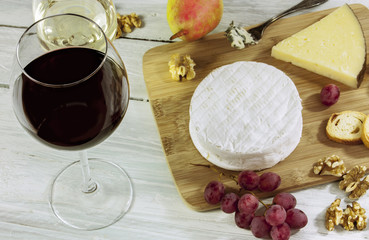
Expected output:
(55, 33)
(101, 12)
(72, 96)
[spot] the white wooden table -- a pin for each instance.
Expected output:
(158, 212)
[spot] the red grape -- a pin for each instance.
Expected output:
(248, 203)
(285, 199)
(296, 218)
(259, 227)
(243, 220)
(269, 182)
(275, 215)
(329, 94)
(248, 180)
(229, 202)
(281, 232)
(214, 192)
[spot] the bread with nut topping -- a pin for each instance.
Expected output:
(346, 127)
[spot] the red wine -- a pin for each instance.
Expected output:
(78, 114)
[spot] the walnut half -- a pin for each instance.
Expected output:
(360, 189)
(353, 177)
(126, 23)
(181, 67)
(333, 215)
(354, 216)
(332, 165)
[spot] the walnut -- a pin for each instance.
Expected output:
(135, 20)
(119, 32)
(354, 216)
(332, 165)
(352, 178)
(181, 67)
(361, 189)
(333, 215)
(126, 23)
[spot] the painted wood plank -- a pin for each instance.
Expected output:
(19, 13)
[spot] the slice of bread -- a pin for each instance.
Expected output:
(346, 127)
(365, 132)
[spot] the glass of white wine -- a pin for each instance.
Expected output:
(101, 12)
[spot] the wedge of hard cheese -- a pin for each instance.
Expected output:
(333, 47)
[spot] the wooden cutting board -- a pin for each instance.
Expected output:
(170, 104)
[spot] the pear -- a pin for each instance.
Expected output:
(192, 19)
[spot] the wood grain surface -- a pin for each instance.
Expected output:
(170, 104)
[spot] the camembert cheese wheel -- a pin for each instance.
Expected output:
(333, 47)
(246, 115)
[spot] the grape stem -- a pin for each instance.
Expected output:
(233, 177)
(265, 205)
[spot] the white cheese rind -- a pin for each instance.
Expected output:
(246, 115)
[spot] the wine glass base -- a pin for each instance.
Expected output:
(98, 209)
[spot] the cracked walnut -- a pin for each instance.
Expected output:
(333, 215)
(181, 67)
(126, 23)
(332, 165)
(353, 216)
(352, 179)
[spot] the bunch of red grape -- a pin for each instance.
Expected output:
(278, 219)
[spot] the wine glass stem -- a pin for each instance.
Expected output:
(88, 185)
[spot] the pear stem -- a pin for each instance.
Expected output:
(181, 33)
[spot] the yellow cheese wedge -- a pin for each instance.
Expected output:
(333, 47)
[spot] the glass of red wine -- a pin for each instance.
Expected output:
(70, 92)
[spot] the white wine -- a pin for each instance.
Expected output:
(101, 12)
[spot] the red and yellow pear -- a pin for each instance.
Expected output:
(192, 19)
